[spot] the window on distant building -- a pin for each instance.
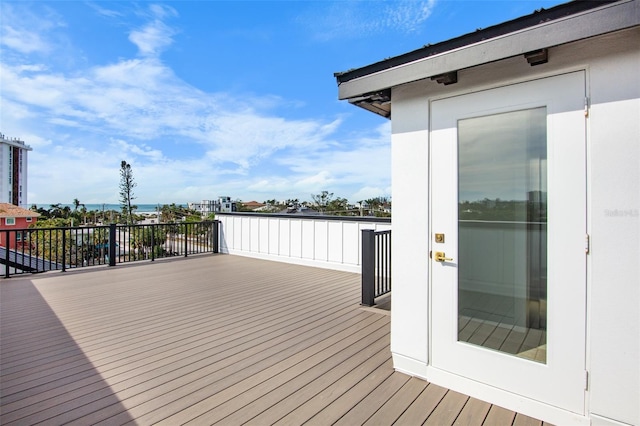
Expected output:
(29, 219)
(10, 221)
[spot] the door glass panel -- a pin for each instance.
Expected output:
(502, 232)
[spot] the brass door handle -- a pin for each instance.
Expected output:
(440, 256)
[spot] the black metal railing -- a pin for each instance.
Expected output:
(376, 265)
(46, 249)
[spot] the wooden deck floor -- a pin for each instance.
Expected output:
(209, 340)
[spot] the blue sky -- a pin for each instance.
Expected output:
(209, 98)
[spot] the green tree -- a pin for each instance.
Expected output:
(338, 206)
(170, 213)
(322, 200)
(127, 184)
(376, 205)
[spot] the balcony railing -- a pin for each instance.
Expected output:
(376, 265)
(333, 242)
(46, 249)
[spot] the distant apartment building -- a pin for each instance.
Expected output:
(13, 171)
(225, 205)
(207, 207)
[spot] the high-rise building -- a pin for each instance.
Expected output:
(13, 171)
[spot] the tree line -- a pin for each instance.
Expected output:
(326, 203)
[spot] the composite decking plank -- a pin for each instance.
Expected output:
(128, 359)
(299, 391)
(182, 335)
(135, 307)
(190, 391)
(499, 416)
(420, 409)
(362, 410)
(336, 409)
(448, 409)
(137, 387)
(285, 379)
(395, 406)
(203, 339)
(108, 374)
(473, 413)
(304, 412)
(522, 420)
(103, 339)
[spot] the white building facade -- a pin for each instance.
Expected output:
(13, 171)
(516, 224)
(206, 207)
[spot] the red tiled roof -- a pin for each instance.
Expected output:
(11, 210)
(253, 204)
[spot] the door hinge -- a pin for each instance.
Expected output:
(587, 244)
(586, 380)
(586, 106)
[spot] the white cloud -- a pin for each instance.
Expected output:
(369, 192)
(408, 16)
(138, 150)
(184, 144)
(24, 32)
(109, 13)
(22, 40)
(152, 39)
(154, 36)
(355, 19)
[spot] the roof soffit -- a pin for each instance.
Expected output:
(605, 19)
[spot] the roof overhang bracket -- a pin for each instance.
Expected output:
(537, 57)
(446, 78)
(377, 102)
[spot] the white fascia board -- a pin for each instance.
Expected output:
(609, 18)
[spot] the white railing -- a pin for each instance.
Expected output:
(332, 242)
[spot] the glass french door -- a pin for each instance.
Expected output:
(508, 221)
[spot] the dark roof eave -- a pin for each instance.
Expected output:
(527, 21)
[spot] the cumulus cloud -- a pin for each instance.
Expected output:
(180, 140)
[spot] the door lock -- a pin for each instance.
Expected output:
(440, 256)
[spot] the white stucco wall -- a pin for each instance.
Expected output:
(612, 64)
(614, 176)
(411, 251)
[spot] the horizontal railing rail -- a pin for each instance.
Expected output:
(45, 249)
(376, 265)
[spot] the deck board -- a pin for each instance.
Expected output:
(206, 340)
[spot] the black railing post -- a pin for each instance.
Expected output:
(64, 250)
(6, 263)
(368, 266)
(153, 242)
(185, 228)
(216, 235)
(112, 244)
